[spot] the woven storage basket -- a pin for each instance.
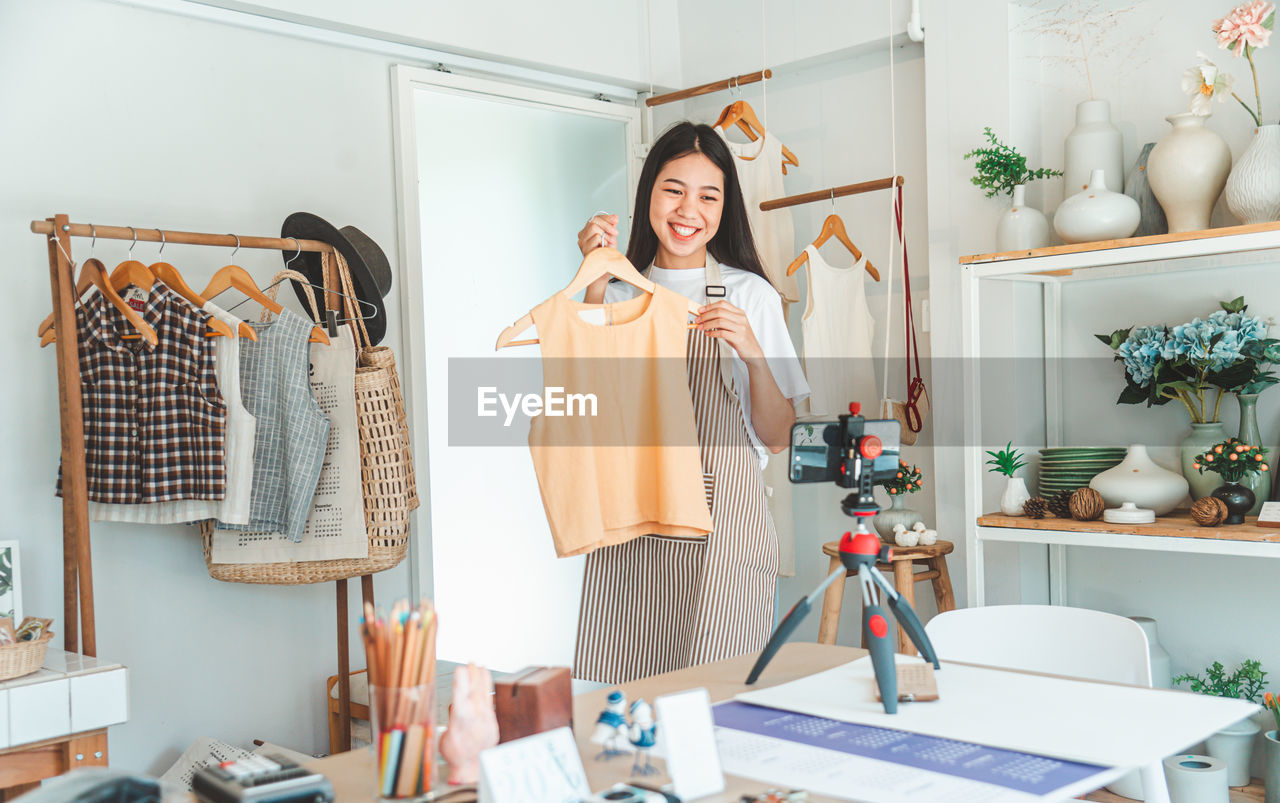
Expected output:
(386, 475)
(24, 657)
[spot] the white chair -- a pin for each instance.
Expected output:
(1057, 640)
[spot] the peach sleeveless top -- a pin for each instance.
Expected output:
(628, 463)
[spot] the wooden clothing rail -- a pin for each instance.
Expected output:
(79, 629)
(832, 193)
(706, 89)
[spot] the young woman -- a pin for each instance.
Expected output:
(658, 603)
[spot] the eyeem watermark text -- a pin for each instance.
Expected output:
(553, 402)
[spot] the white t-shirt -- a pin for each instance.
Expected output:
(756, 297)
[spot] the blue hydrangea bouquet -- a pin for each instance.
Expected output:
(1228, 351)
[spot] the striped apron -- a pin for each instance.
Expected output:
(657, 603)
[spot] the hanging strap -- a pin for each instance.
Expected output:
(915, 380)
(274, 290)
(350, 308)
(716, 291)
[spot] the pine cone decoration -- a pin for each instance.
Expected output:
(1086, 505)
(1035, 507)
(1209, 511)
(1059, 504)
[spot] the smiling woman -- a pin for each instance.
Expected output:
(660, 603)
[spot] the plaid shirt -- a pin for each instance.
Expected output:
(154, 420)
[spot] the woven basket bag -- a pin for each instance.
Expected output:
(386, 465)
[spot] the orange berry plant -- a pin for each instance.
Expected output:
(906, 481)
(1232, 459)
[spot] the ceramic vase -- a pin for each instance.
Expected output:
(1272, 771)
(1161, 667)
(1253, 188)
(1151, 219)
(1014, 497)
(898, 513)
(1094, 144)
(1234, 745)
(1259, 483)
(1096, 213)
(1140, 480)
(1238, 499)
(1021, 227)
(1202, 437)
(1187, 170)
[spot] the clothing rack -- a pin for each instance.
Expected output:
(706, 89)
(79, 630)
(831, 193)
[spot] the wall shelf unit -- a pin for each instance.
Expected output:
(1052, 268)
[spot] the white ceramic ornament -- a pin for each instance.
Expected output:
(929, 537)
(919, 527)
(899, 528)
(1096, 213)
(907, 538)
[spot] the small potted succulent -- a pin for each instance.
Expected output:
(1007, 461)
(1003, 171)
(1233, 461)
(1234, 744)
(907, 481)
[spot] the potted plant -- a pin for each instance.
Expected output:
(1007, 461)
(1233, 461)
(1272, 771)
(1234, 745)
(1195, 363)
(907, 481)
(1003, 171)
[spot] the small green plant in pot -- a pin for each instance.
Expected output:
(1234, 745)
(907, 481)
(1003, 171)
(1233, 461)
(1007, 461)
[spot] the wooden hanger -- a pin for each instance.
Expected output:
(234, 276)
(598, 263)
(741, 114)
(833, 225)
(174, 281)
(96, 274)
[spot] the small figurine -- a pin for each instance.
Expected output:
(929, 537)
(611, 727)
(644, 734)
(906, 537)
(918, 526)
(473, 725)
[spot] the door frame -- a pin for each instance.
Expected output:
(406, 81)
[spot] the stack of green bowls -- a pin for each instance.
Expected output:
(1065, 468)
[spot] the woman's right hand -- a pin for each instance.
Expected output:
(601, 230)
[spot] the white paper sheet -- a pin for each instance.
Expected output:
(1097, 723)
(202, 752)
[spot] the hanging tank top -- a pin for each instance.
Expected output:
(623, 460)
(292, 430)
(838, 329)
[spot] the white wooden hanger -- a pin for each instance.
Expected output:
(600, 262)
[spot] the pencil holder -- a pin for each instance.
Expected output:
(404, 726)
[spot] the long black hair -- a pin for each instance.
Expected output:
(732, 243)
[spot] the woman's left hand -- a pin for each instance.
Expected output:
(723, 320)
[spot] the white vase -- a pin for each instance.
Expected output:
(1140, 480)
(1187, 171)
(1096, 213)
(1253, 188)
(1234, 745)
(1021, 227)
(1161, 667)
(1014, 497)
(1094, 144)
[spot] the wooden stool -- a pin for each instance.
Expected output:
(905, 577)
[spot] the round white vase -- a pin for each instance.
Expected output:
(1021, 227)
(1097, 213)
(1092, 145)
(1187, 171)
(1253, 188)
(1014, 497)
(1140, 480)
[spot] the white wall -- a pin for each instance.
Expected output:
(985, 65)
(125, 115)
(829, 103)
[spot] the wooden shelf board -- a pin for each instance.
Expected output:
(1253, 793)
(1178, 524)
(1130, 242)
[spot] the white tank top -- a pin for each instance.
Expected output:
(838, 330)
